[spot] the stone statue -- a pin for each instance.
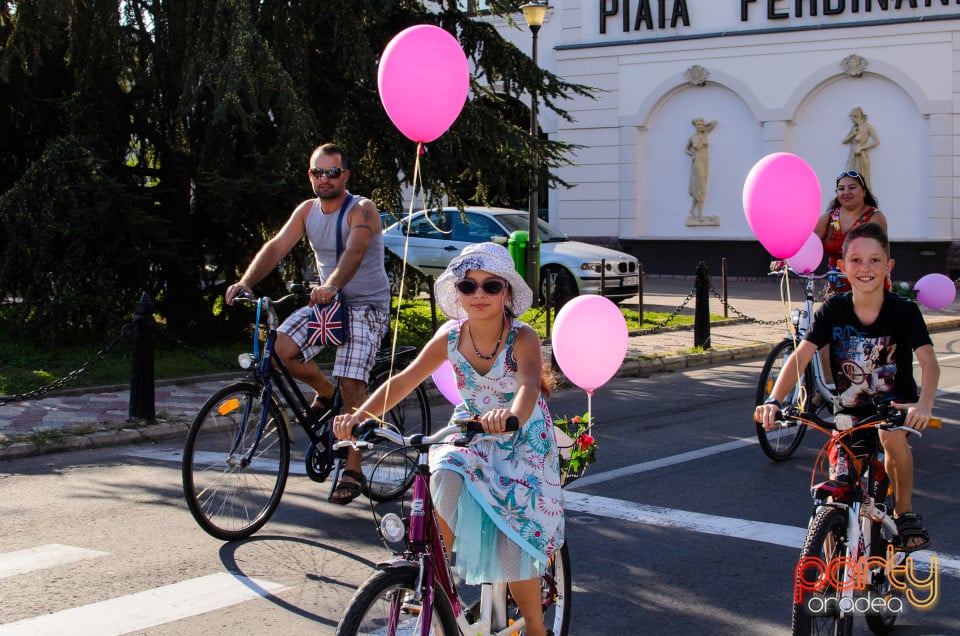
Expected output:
(862, 137)
(697, 148)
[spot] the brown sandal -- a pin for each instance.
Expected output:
(353, 488)
(910, 526)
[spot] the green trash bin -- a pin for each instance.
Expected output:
(517, 246)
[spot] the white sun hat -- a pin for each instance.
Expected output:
(487, 257)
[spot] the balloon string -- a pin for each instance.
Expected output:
(417, 185)
(787, 302)
(590, 412)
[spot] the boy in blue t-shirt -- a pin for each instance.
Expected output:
(873, 335)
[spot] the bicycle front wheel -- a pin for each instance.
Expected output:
(819, 610)
(386, 605)
(779, 444)
(230, 492)
(881, 621)
(388, 469)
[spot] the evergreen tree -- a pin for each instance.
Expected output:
(154, 148)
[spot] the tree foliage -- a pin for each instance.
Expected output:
(152, 145)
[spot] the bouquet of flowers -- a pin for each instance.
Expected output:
(578, 448)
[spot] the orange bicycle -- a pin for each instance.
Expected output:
(852, 550)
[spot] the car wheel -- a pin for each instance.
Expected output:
(563, 289)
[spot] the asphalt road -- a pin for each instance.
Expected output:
(682, 527)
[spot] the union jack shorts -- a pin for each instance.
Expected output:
(355, 357)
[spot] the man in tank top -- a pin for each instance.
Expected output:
(358, 273)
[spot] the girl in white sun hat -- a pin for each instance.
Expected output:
(499, 500)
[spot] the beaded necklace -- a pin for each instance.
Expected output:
(496, 348)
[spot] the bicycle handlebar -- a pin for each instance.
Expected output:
(245, 297)
(887, 418)
(372, 426)
(808, 275)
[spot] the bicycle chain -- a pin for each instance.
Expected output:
(72, 375)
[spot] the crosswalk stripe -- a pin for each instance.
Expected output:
(203, 457)
(43, 557)
(160, 605)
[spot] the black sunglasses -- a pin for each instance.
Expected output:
(852, 174)
(330, 173)
(469, 287)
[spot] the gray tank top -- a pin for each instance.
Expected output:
(369, 286)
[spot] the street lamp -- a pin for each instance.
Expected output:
(533, 13)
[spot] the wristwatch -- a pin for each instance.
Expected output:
(773, 400)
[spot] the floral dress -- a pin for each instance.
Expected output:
(507, 515)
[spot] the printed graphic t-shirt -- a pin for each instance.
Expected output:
(875, 361)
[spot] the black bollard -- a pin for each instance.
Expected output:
(640, 275)
(433, 303)
(701, 313)
(141, 375)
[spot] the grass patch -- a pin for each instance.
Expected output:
(25, 367)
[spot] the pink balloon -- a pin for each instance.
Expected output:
(445, 378)
(423, 79)
(446, 381)
(781, 200)
(809, 257)
(589, 340)
(935, 291)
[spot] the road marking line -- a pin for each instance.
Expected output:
(663, 462)
(149, 608)
(774, 533)
(43, 557)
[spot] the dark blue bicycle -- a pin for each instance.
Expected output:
(237, 454)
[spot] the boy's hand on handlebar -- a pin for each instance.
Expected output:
(917, 416)
(495, 421)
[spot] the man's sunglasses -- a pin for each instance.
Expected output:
(492, 287)
(853, 174)
(330, 173)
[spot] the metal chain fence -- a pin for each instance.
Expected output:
(72, 376)
(663, 324)
(125, 331)
(203, 355)
(740, 314)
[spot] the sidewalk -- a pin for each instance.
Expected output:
(73, 421)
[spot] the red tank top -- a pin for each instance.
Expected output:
(833, 245)
(833, 242)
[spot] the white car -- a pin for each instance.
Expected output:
(435, 241)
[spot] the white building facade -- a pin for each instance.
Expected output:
(774, 76)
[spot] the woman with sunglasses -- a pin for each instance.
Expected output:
(853, 205)
(498, 500)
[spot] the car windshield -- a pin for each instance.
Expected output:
(547, 233)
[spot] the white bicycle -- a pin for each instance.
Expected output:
(782, 442)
